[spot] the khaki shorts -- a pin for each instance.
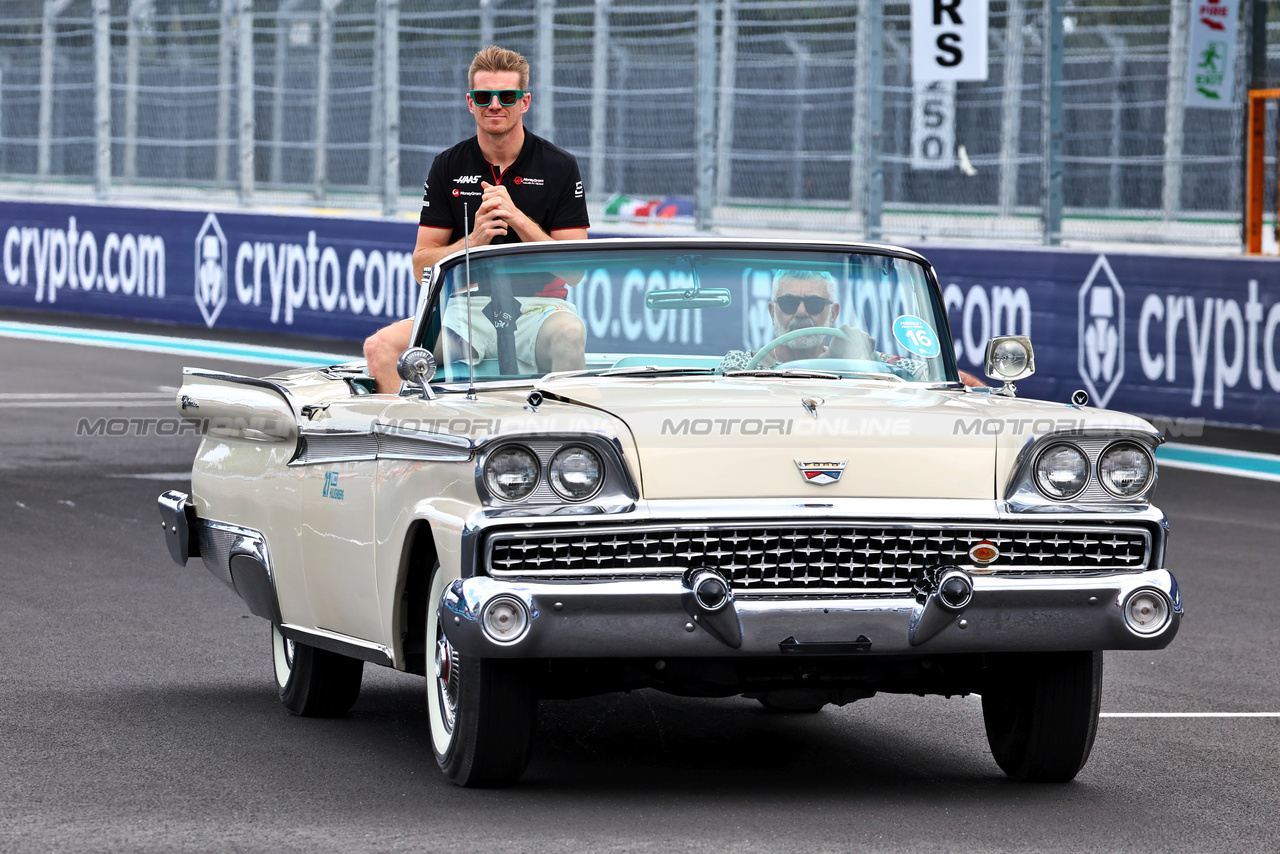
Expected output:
(534, 311)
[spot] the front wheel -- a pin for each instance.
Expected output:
(1041, 715)
(314, 683)
(482, 711)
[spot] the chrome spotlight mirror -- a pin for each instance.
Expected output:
(417, 366)
(1009, 358)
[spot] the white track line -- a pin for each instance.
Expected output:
(1190, 715)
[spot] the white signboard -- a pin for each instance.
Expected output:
(948, 40)
(1211, 54)
(933, 125)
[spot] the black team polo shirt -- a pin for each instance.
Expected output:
(543, 182)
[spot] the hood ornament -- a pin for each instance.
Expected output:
(821, 472)
(811, 405)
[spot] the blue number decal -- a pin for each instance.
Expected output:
(917, 336)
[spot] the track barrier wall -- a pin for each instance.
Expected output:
(1180, 337)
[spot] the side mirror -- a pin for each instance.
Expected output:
(1009, 358)
(417, 366)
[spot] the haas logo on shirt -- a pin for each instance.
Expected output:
(467, 179)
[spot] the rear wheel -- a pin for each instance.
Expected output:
(482, 711)
(1041, 715)
(314, 683)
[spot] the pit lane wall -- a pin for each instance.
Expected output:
(1188, 338)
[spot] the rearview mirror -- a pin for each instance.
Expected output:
(689, 298)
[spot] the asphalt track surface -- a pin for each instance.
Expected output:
(138, 711)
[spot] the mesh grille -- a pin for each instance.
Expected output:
(869, 558)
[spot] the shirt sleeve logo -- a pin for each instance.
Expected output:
(577, 190)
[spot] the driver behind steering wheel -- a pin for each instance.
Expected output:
(804, 299)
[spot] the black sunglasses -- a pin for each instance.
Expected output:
(506, 97)
(812, 304)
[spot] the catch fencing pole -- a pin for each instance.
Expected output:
(1051, 173)
(1176, 111)
(1011, 108)
(244, 57)
(599, 96)
(102, 98)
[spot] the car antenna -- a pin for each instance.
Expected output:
(466, 254)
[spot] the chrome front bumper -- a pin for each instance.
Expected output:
(643, 618)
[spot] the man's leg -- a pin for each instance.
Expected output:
(382, 350)
(562, 343)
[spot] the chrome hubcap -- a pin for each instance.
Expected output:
(447, 679)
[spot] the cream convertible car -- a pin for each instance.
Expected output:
(768, 480)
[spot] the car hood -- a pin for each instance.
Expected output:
(742, 437)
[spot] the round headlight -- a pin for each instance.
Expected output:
(511, 473)
(1125, 469)
(1009, 358)
(1146, 612)
(505, 619)
(1062, 471)
(576, 472)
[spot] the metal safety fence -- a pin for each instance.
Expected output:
(758, 115)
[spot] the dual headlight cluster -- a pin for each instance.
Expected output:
(513, 472)
(1125, 469)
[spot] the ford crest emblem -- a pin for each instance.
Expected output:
(821, 472)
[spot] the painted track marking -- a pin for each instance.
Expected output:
(169, 344)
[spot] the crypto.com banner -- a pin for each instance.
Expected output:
(316, 276)
(1180, 337)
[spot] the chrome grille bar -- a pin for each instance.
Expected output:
(772, 559)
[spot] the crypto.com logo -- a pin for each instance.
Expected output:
(1101, 342)
(211, 270)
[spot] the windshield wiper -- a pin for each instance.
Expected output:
(640, 370)
(805, 373)
(786, 372)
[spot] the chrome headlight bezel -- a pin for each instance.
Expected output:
(490, 478)
(1120, 445)
(555, 473)
(1023, 494)
(1041, 481)
(615, 491)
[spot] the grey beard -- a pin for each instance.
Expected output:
(807, 342)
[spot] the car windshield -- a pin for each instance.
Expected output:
(641, 310)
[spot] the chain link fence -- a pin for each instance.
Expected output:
(756, 115)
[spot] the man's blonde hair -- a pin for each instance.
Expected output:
(494, 58)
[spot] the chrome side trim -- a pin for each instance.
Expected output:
(207, 374)
(318, 446)
(339, 643)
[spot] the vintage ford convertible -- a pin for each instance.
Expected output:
(761, 474)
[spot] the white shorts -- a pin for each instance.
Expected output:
(534, 311)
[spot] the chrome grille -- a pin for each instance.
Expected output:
(806, 558)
